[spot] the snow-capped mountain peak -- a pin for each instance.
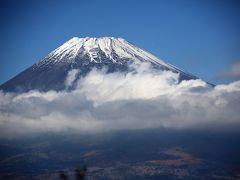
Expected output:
(83, 54)
(100, 49)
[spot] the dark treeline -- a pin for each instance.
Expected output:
(80, 173)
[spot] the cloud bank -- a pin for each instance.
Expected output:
(143, 98)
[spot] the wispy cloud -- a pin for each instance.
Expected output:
(143, 98)
(71, 77)
(232, 73)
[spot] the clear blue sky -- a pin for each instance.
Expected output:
(200, 36)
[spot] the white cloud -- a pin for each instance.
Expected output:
(71, 77)
(143, 98)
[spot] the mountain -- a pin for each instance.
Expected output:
(83, 54)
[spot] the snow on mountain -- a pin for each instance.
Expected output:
(84, 54)
(108, 45)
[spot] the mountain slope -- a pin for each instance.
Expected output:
(84, 53)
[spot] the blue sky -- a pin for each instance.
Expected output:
(199, 36)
